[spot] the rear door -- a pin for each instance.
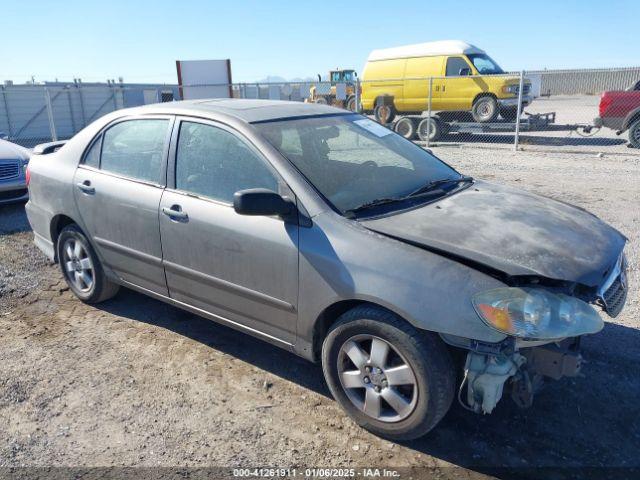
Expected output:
(241, 269)
(118, 187)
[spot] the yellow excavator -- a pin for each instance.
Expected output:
(348, 77)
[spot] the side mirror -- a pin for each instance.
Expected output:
(464, 72)
(260, 201)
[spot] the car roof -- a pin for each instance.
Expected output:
(428, 49)
(246, 110)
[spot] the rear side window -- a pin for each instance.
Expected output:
(215, 163)
(134, 148)
(92, 157)
(454, 65)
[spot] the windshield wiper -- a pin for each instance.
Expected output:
(373, 203)
(429, 188)
(432, 185)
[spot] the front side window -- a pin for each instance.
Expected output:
(456, 65)
(484, 64)
(352, 160)
(215, 163)
(134, 148)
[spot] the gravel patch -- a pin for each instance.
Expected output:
(135, 382)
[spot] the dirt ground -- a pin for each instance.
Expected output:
(134, 382)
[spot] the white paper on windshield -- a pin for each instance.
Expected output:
(373, 127)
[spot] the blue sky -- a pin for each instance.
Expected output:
(140, 40)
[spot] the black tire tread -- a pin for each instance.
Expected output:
(442, 372)
(105, 288)
(635, 125)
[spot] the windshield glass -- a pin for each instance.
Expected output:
(484, 64)
(352, 160)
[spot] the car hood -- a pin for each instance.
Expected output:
(512, 231)
(11, 151)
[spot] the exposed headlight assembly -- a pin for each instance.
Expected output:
(513, 89)
(536, 314)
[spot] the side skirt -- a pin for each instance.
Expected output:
(210, 316)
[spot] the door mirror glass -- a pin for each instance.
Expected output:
(466, 71)
(260, 201)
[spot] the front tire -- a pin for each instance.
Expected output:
(485, 109)
(81, 267)
(393, 380)
(634, 134)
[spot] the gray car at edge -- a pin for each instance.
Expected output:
(324, 233)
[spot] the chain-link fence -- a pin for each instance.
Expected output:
(554, 110)
(508, 110)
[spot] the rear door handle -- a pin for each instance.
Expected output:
(86, 187)
(175, 212)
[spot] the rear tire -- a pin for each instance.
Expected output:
(81, 267)
(400, 407)
(432, 130)
(406, 127)
(321, 101)
(384, 114)
(634, 134)
(485, 109)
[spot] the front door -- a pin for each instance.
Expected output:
(238, 268)
(118, 187)
(460, 86)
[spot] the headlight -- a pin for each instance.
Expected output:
(536, 314)
(513, 89)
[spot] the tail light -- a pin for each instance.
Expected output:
(605, 102)
(27, 175)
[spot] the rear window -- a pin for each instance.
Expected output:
(92, 157)
(134, 148)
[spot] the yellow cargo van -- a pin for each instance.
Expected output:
(465, 78)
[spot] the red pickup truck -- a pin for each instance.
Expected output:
(620, 111)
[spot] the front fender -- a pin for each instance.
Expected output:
(341, 260)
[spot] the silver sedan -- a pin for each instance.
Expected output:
(13, 164)
(327, 234)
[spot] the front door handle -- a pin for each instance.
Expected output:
(175, 212)
(86, 187)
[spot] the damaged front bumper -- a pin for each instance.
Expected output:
(520, 371)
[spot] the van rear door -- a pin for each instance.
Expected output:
(383, 78)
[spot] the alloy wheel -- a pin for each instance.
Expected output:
(377, 379)
(78, 266)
